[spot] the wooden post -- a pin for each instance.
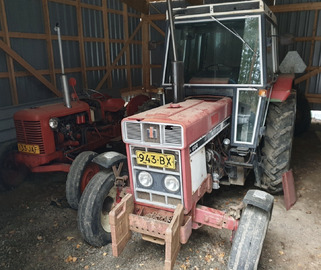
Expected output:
(49, 42)
(106, 40)
(316, 15)
(10, 66)
(146, 55)
(125, 21)
(81, 44)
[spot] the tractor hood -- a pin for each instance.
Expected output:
(196, 117)
(51, 110)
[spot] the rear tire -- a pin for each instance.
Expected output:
(80, 173)
(248, 241)
(278, 143)
(94, 207)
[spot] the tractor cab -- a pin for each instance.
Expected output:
(228, 50)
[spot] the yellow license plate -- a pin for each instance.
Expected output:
(155, 159)
(29, 148)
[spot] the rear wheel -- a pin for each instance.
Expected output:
(95, 204)
(248, 241)
(81, 172)
(278, 143)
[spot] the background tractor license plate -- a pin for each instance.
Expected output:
(29, 148)
(155, 159)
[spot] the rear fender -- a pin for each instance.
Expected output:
(282, 88)
(109, 159)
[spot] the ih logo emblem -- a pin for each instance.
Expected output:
(152, 133)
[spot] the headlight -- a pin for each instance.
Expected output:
(145, 179)
(53, 123)
(171, 183)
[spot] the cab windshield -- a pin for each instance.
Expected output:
(220, 52)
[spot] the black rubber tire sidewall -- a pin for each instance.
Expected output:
(90, 208)
(248, 241)
(74, 177)
(278, 140)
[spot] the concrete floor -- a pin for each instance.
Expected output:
(39, 231)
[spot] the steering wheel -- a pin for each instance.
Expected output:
(95, 94)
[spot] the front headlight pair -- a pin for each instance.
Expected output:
(171, 183)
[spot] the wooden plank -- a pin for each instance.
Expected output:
(306, 39)
(307, 75)
(10, 66)
(296, 7)
(314, 98)
(100, 84)
(51, 63)
(146, 54)
(141, 6)
(316, 15)
(126, 34)
(106, 40)
(81, 44)
(159, 30)
(28, 67)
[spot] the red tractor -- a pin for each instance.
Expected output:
(49, 137)
(232, 114)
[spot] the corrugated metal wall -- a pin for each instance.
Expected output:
(305, 26)
(28, 36)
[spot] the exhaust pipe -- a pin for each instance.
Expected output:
(64, 82)
(177, 66)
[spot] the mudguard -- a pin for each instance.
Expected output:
(260, 199)
(282, 88)
(108, 159)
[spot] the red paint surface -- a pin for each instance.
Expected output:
(282, 88)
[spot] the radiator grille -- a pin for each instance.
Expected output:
(157, 194)
(133, 131)
(153, 134)
(173, 135)
(29, 132)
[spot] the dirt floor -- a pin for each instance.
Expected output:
(39, 231)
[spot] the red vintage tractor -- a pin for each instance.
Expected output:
(232, 114)
(50, 137)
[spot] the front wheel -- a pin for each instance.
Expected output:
(248, 241)
(95, 204)
(81, 171)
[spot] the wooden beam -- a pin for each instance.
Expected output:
(126, 34)
(316, 15)
(106, 40)
(313, 98)
(28, 67)
(146, 54)
(296, 7)
(141, 6)
(10, 66)
(119, 56)
(154, 26)
(51, 63)
(307, 75)
(81, 45)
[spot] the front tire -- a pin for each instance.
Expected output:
(95, 204)
(278, 143)
(81, 172)
(248, 241)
